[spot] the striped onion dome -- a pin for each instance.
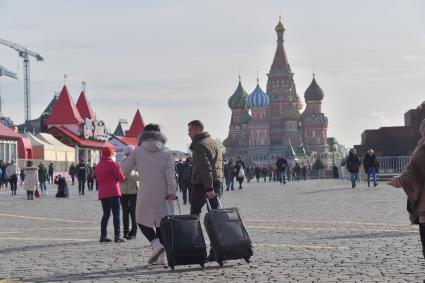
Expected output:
(258, 98)
(313, 93)
(238, 98)
(245, 118)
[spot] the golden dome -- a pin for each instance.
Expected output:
(280, 27)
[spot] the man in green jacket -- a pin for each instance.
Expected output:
(129, 188)
(207, 167)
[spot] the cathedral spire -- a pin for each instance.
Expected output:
(280, 62)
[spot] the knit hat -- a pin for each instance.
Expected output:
(107, 151)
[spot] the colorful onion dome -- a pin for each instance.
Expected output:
(258, 98)
(245, 118)
(238, 98)
(313, 93)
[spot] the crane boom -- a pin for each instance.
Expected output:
(21, 50)
(24, 53)
(7, 73)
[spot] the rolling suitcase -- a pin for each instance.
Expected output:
(183, 240)
(228, 235)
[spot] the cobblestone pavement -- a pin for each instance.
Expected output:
(307, 231)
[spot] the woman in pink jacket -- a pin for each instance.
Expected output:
(109, 176)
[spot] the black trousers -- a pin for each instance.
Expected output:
(422, 234)
(186, 189)
(128, 205)
(198, 199)
(150, 233)
(90, 184)
(13, 180)
(81, 185)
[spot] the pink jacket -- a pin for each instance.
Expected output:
(109, 176)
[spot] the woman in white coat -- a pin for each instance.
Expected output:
(155, 164)
(31, 180)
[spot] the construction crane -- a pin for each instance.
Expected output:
(24, 53)
(7, 73)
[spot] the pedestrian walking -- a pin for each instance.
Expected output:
(12, 172)
(371, 167)
(51, 172)
(82, 176)
(304, 171)
(229, 173)
(109, 176)
(186, 175)
(31, 180)
(90, 178)
(42, 178)
(129, 189)
(155, 164)
(21, 175)
(281, 165)
(240, 171)
(72, 172)
(257, 171)
(412, 181)
(207, 169)
(353, 166)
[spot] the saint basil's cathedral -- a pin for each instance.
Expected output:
(266, 125)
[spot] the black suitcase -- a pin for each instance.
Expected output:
(228, 235)
(183, 240)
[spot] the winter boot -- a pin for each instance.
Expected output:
(157, 250)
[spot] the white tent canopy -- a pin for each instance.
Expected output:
(46, 147)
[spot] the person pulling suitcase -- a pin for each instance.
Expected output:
(207, 170)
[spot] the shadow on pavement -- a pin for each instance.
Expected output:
(326, 190)
(40, 247)
(119, 273)
(371, 235)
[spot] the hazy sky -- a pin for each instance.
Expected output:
(179, 60)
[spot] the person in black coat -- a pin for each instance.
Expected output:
(82, 176)
(281, 166)
(353, 165)
(371, 167)
(72, 172)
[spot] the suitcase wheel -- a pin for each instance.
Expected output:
(172, 267)
(202, 265)
(221, 263)
(247, 259)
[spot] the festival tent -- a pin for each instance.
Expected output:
(46, 148)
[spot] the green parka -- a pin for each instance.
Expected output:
(207, 162)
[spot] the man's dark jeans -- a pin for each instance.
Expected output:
(128, 204)
(185, 187)
(108, 205)
(198, 199)
(81, 185)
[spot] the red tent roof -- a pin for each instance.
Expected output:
(84, 108)
(6, 132)
(137, 126)
(65, 111)
(128, 141)
(76, 139)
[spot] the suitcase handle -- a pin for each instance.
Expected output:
(167, 202)
(209, 204)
